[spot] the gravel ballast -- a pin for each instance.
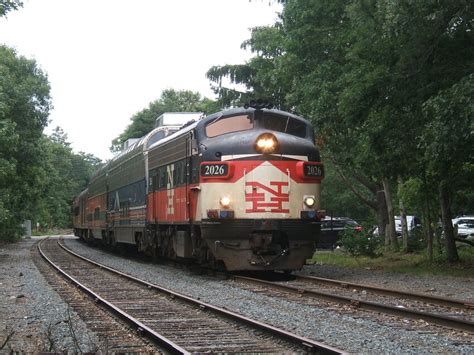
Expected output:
(351, 333)
(33, 317)
(44, 309)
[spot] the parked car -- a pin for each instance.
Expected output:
(465, 227)
(331, 228)
(413, 223)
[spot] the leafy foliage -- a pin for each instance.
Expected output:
(360, 243)
(338, 200)
(9, 5)
(263, 77)
(68, 174)
(38, 175)
(24, 108)
(388, 85)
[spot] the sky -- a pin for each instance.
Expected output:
(108, 59)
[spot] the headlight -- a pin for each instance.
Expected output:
(309, 201)
(266, 143)
(225, 201)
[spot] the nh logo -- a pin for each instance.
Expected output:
(267, 199)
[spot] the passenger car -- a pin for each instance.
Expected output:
(331, 227)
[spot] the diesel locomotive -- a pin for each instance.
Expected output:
(236, 190)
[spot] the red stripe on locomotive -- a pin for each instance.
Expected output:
(241, 167)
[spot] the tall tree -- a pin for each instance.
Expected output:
(68, 174)
(362, 71)
(24, 109)
(448, 140)
(262, 77)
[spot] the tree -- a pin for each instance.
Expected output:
(24, 109)
(9, 5)
(68, 174)
(362, 71)
(170, 101)
(448, 140)
(263, 76)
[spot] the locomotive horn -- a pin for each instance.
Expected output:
(259, 104)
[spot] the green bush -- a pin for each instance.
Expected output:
(361, 242)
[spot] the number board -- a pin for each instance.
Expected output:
(215, 170)
(314, 170)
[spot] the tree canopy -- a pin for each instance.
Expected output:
(385, 83)
(24, 109)
(39, 175)
(9, 5)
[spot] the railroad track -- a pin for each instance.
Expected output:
(176, 322)
(112, 335)
(446, 312)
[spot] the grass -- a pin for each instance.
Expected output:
(413, 264)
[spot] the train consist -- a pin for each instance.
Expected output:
(236, 190)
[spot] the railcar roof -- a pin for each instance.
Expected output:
(186, 128)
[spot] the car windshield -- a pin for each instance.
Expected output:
(466, 224)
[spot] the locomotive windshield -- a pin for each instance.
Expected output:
(271, 121)
(228, 125)
(285, 124)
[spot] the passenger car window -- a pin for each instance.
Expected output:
(228, 124)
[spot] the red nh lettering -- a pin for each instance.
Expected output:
(259, 204)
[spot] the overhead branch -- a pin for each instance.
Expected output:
(370, 203)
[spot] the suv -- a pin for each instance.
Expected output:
(331, 227)
(413, 223)
(465, 227)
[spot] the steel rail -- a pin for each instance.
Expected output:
(445, 321)
(309, 344)
(442, 301)
(148, 332)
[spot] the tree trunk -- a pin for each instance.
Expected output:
(391, 235)
(382, 215)
(427, 226)
(403, 220)
(445, 203)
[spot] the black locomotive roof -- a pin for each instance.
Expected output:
(237, 110)
(224, 113)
